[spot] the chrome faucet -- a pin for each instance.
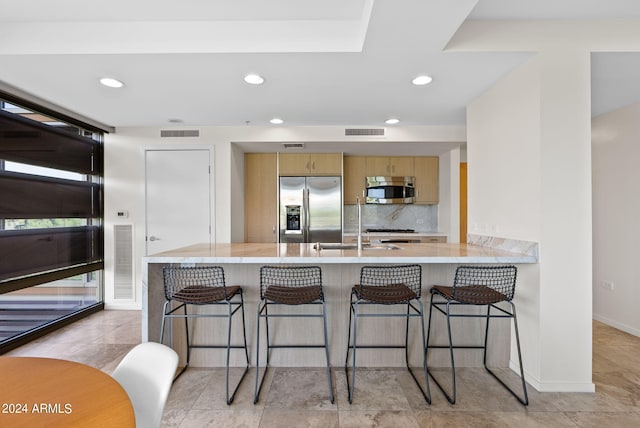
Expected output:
(359, 211)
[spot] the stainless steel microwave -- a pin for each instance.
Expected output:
(390, 190)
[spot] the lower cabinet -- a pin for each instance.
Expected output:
(436, 239)
(396, 239)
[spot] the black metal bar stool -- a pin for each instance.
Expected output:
(204, 286)
(290, 285)
(387, 285)
(478, 286)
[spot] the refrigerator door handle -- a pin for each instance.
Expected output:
(305, 215)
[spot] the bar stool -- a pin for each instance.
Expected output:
(204, 286)
(289, 285)
(477, 286)
(387, 285)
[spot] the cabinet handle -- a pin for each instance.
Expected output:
(307, 167)
(313, 165)
(393, 168)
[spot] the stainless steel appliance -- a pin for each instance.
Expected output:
(390, 190)
(310, 209)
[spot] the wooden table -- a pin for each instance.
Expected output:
(38, 392)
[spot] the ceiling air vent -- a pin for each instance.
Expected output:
(293, 146)
(376, 132)
(179, 133)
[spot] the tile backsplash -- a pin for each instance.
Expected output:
(423, 218)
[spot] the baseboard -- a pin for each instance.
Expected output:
(553, 386)
(122, 306)
(615, 324)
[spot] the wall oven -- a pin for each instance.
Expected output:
(390, 190)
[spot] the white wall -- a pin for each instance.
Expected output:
(449, 195)
(124, 176)
(503, 175)
(616, 214)
(503, 155)
(529, 179)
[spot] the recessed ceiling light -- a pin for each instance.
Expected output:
(111, 82)
(392, 121)
(254, 79)
(277, 121)
(175, 120)
(422, 80)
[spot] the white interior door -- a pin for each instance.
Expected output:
(179, 200)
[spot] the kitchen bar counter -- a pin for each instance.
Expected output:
(305, 253)
(340, 270)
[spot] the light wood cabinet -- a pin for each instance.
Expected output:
(423, 168)
(434, 239)
(297, 164)
(260, 197)
(390, 166)
(355, 176)
(426, 176)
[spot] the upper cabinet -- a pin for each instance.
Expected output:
(389, 166)
(423, 168)
(260, 197)
(426, 176)
(355, 172)
(295, 164)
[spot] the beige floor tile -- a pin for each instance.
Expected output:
(278, 418)
(384, 397)
(221, 419)
(378, 418)
(499, 420)
(187, 389)
(375, 389)
(605, 419)
(173, 418)
(213, 396)
(303, 388)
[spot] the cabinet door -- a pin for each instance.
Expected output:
(401, 166)
(434, 239)
(355, 176)
(426, 173)
(325, 164)
(260, 197)
(293, 164)
(378, 166)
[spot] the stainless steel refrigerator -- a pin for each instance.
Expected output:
(310, 209)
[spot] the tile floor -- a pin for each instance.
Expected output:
(383, 397)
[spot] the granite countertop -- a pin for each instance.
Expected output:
(305, 253)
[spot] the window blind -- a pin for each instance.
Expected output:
(50, 224)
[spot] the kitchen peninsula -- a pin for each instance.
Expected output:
(340, 270)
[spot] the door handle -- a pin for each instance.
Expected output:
(153, 238)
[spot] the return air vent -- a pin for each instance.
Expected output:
(293, 146)
(123, 263)
(376, 132)
(181, 133)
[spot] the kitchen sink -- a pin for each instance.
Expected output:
(365, 246)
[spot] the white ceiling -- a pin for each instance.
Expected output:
(330, 62)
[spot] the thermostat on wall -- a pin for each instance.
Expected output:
(122, 214)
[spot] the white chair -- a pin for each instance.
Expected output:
(146, 374)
